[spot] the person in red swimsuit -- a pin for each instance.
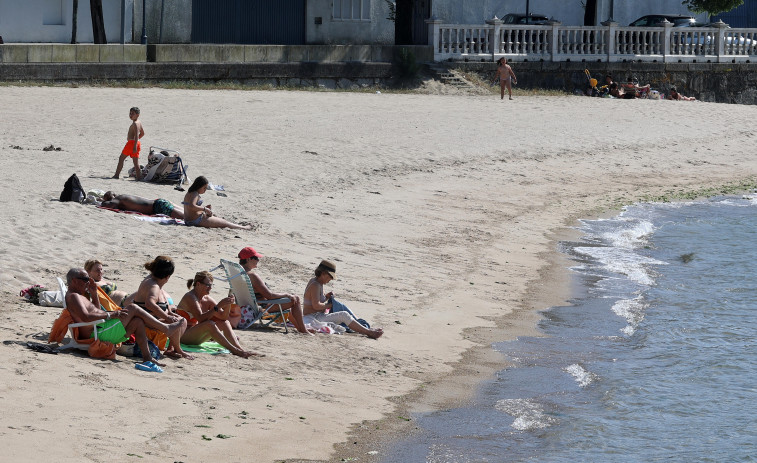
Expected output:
(133, 146)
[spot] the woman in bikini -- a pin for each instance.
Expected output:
(197, 215)
(94, 269)
(206, 319)
(316, 305)
(153, 298)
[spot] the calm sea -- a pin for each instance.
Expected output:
(655, 360)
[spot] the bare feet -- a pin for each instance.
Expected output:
(375, 334)
(171, 354)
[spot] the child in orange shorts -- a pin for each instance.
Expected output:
(133, 146)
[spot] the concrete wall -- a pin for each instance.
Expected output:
(569, 12)
(25, 21)
(168, 21)
(378, 30)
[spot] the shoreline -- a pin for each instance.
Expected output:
(443, 230)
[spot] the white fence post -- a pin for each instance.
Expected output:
(433, 35)
(611, 26)
(494, 41)
(554, 39)
(666, 39)
(720, 44)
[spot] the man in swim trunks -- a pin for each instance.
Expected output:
(133, 146)
(84, 306)
(506, 78)
(142, 205)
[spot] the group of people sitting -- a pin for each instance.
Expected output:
(192, 210)
(150, 312)
(631, 90)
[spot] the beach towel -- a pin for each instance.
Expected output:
(208, 347)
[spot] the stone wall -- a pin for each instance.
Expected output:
(722, 83)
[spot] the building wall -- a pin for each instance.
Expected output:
(168, 21)
(377, 31)
(50, 21)
(568, 12)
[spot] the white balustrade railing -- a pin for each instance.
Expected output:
(609, 43)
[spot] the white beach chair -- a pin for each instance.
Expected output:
(241, 287)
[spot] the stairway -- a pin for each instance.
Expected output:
(450, 76)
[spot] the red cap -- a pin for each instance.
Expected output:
(248, 252)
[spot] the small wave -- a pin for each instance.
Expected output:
(529, 415)
(632, 310)
(622, 261)
(630, 233)
(582, 376)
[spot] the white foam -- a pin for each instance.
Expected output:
(529, 415)
(622, 261)
(632, 310)
(582, 376)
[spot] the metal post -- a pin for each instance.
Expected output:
(528, 13)
(144, 24)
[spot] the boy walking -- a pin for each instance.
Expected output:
(133, 146)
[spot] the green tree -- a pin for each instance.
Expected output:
(711, 7)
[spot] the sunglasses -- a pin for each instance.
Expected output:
(209, 285)
(82, 278)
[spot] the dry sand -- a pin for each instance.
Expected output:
(441, 212)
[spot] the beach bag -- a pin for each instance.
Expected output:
(72, 190)
(51, 298)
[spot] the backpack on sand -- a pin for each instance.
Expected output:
(72, 190)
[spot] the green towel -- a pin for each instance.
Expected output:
(208, 347)
(111, 331)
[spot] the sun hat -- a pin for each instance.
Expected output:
(328, 267)
(249, 252)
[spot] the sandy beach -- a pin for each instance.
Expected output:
(441, 212)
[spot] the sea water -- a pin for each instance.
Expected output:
(654, 360)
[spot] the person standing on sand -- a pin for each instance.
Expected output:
(506, 78)
(133, 145)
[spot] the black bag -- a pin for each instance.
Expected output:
(72, 190)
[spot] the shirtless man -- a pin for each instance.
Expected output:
(142, 205)
(133, 146)
(506, 78)
(84, 306)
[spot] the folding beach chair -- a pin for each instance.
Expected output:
(265, 312)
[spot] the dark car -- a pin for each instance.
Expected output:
(653, 20)
(521, 18)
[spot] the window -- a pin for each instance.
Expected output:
(352, 10)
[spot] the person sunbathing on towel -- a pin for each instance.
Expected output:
(157, 302)
(206, 319)
(84, 306)
(248, 259)
(316, 305)
(142, 205)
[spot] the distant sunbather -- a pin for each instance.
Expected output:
(83, 305)
(206, 319)
(198, 215)
(142, 205)
(95, 270)
(674, 95)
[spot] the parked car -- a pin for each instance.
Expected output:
(521, 18)
(655, 20)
